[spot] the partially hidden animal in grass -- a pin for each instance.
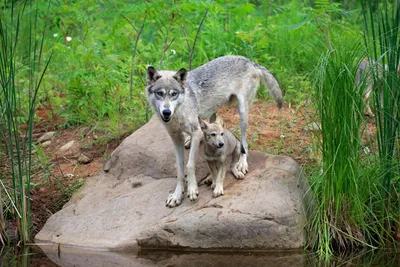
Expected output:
(371, 72)
(219, 144)
(179, 98)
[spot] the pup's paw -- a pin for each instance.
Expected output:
(188, 139)
(242, 165)
(238, 174)
(208, 180)
(218, 190)
(173, 200)
(192, 192)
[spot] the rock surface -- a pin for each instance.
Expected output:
(124, 208)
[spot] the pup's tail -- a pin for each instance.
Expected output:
(272, 84)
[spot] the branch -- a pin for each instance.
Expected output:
(195, 38)
(186, 37)
(166, 40)
(133, 56)
(133, 26)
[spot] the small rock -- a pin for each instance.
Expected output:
(47, 136)
(313, 127)
(46, 143)
(84, 159)
(67, 146)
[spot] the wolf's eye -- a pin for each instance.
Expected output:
(160, 93)
(222, 134)
(213, 134)
(173, 94)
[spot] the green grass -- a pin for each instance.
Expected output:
(338, 218)
(382, 28)
(21, 73)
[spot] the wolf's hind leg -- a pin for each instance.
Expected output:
(243, 112)
(235, 160)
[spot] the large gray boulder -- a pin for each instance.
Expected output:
(124, 208)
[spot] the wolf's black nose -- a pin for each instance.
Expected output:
(166, 113)
(220, 144)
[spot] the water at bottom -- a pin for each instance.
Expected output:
(53, 256)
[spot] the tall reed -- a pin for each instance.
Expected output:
(382, 40)
(21, 73)
(339, 214)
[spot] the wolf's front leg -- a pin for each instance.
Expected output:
(192, 188)
(176, 198)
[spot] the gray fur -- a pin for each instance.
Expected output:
(216, 154)
(366, 70)
(179, 98)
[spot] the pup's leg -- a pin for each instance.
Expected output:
(219, 183)
(234, 162)
(210, 180)
(176, 198)
(192, 188)
(243, 112)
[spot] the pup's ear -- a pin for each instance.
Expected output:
(213, 118)
(180, 76)
(152, 75)
(203, 124)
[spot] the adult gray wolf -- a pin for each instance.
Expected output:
(365, 72)
(179, 98)
(219, 144)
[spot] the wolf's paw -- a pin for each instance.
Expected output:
(173, 200)
(192, 192)
(238, 174)
(242, 165)
(218, 190)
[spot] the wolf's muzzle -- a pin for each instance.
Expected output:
(166, 115)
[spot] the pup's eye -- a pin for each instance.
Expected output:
(160, 93)
(222, 134)
(213, 134)
(173, 94)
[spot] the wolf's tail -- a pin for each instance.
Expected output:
(272, 84)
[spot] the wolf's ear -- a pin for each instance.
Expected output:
(203, 125)
(152, 75)
(213, 118)
(180, 76)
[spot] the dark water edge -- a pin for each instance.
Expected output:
(53, 256)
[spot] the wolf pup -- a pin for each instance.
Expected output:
(219, 144)
(179, 98)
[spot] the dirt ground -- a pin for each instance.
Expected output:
(270, 130)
